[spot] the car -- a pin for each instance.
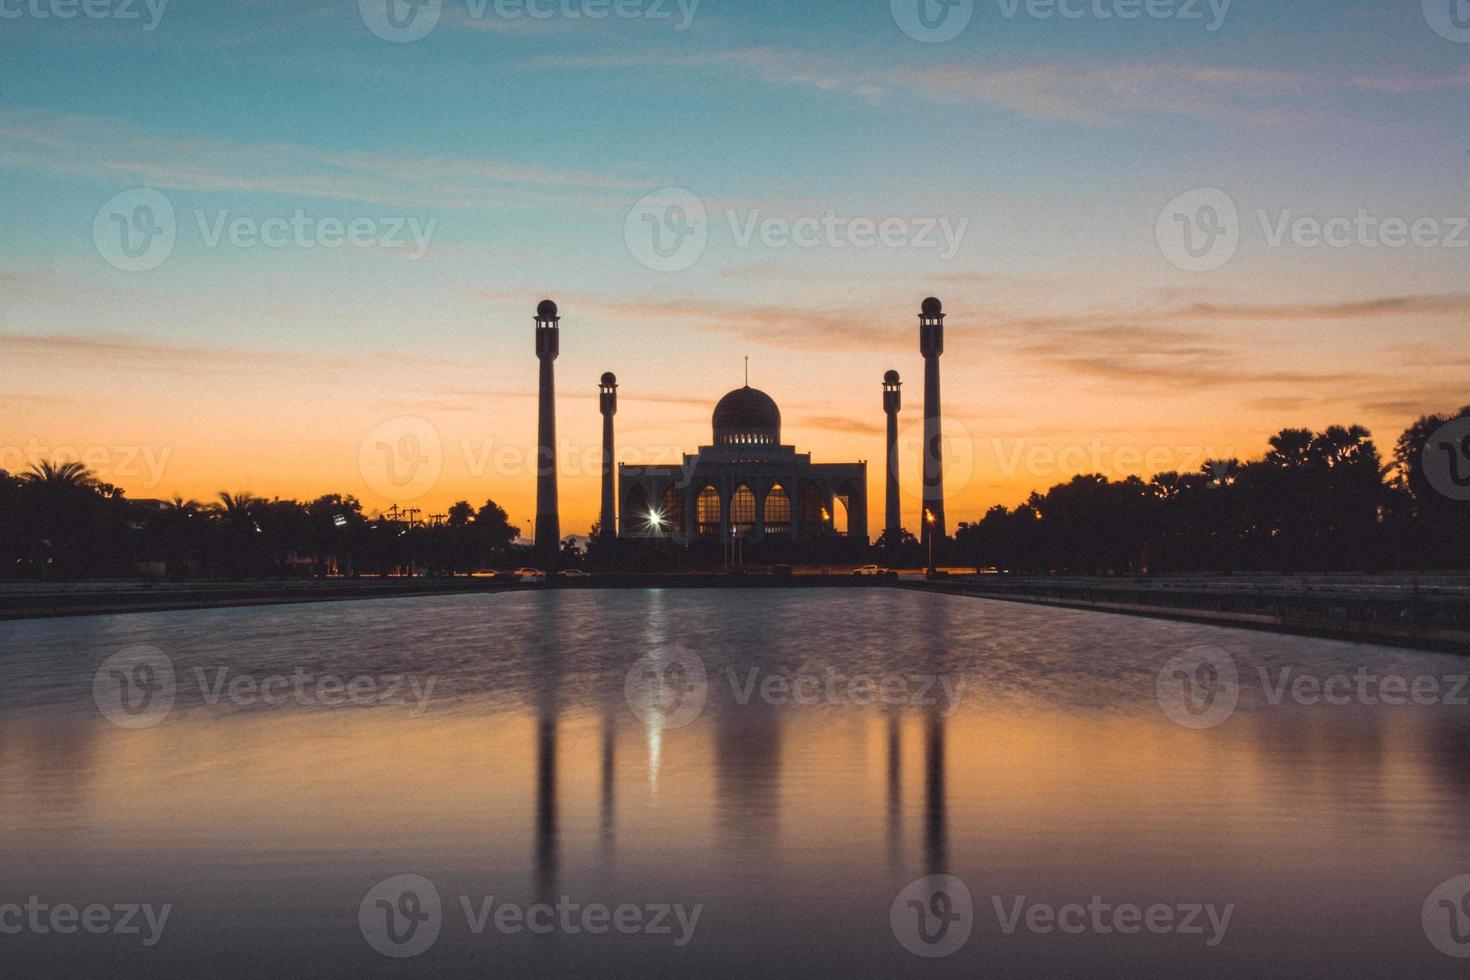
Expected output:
(572, 573)
(531, 576)
(868, 571)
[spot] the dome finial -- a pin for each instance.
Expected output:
(932, 307)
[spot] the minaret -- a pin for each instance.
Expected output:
(931, 345)
(892, 403)
(608, 390)
(548, 521)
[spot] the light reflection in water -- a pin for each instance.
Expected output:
(1056, 777)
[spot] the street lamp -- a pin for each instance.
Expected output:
(931, 520)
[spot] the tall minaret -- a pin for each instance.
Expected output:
(608, 390)
(931, 345)
(548, 346)
(892, 403)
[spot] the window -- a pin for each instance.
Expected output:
(742, 509)
(778, 511)
(708, 507)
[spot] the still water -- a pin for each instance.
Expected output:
(789, 762)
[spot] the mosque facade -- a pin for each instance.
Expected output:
(746, 484)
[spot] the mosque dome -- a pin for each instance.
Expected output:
(747, 416)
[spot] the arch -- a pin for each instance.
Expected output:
(742, 509)
(778, 510)
(707, 509)
(813, 503)
(844, 500)
(635, 510)
(672, 509)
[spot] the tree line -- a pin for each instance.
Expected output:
(58, 522)
(1315, 502)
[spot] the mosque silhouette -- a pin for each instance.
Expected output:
(746, 484)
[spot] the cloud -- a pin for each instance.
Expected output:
(111, 151)
(1092, 95)
(836, 423)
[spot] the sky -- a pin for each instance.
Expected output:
(295, 248)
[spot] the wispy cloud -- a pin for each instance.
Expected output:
(1094, 95)
(115, 152)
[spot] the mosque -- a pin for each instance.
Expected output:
(746, 485)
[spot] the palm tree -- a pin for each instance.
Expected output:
(236, 508)
(59, 476)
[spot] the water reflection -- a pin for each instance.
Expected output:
(794, 823)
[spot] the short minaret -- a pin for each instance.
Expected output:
(548, 520)
(931, 345)
(608, 392)
(892, 403)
